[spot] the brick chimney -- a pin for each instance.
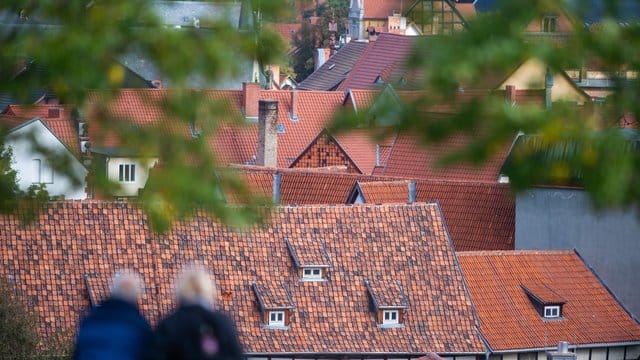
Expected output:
(267, 134)
(320, 57)
(510, 94)
(250, 97)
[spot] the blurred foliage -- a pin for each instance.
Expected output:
(18, 328)
(566, 144)
(79, 42)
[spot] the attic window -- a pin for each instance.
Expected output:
(276, 318)
(312, 273)
(280, 128)
(53, 113)
(379, 80)
(550, 24)
(332, 66)
(552, 312)
(390, 317)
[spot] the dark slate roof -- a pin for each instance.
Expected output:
(331, 74)
(407, 246)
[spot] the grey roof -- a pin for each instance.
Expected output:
(335, 70)
(190, 13)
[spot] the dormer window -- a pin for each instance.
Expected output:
(276, 306)
(547, 302)
(310, 259)
(552, 312)
(550, 24)
(388, 302)
(276, 318)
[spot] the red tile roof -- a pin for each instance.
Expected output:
(385, 192)
(590, 315)
(46, 262)
(384, 56)
(381, 9)
(233, 142)
(62, 125)
(479, 216)
(410, 159)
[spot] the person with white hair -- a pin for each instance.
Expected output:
(196, 330)
(115, 329)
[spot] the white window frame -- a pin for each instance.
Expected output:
(276, 318)
(551, 312)
(390, 317)
(127, 173)
(43, 172)
(312, 273)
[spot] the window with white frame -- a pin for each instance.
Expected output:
(312, 273)
(550, 24)
(390, 317)
(42, 172)
(276, 318)
(127, 173)
(552, 311)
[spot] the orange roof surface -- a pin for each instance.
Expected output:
(509, 320)
(233, 143)
(46, 263)
(409, 158)
(61, 125)
(385, 192)
(381, 9)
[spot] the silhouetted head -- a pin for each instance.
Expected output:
(195, 286)
(127, 285)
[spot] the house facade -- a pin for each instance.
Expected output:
(39, 161)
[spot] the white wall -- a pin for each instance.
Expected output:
(25, 162)
(129, 188)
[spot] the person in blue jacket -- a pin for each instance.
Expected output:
(115, 329)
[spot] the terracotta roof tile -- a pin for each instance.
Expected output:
(386, 293)
(590, 315)
(385, 192)
(386, 54)
(331, 74)
(381, 9)
(56, 117)
(307, 251)
(46, 260)
(272, 296)
(542, 292)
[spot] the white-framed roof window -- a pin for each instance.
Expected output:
(390, 317)
(312, 273)
(276, 318)
(552, 312)
(127, 173)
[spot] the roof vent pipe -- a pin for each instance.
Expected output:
(412, 191)
(277, 180)
(563, 352)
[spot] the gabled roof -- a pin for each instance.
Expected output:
(384, 57)
(363, 242)
(233, 143)
(331, 74)
(591, 315)
(55, 117)
(384, 192)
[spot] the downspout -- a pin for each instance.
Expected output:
(548, 85)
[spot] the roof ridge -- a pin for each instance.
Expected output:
(516, 252)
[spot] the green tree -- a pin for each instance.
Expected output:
(79, 43)
(18, 329)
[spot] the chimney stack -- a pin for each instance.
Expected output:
(250, 97)
(563, 352)
(267, 133)
(510, 94)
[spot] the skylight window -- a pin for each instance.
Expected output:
(312, 273)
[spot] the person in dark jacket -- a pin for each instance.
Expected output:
(195, 330)
(115, 329)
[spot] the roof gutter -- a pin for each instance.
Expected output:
(571, 346)
(353, 354)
